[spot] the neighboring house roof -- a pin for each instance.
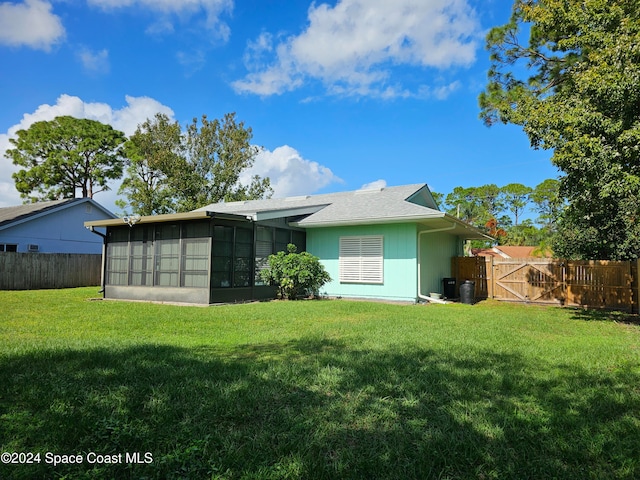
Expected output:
(407, 203)
(505, 251)
(484, 252)
(11, 216)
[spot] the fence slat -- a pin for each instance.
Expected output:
(31, 271)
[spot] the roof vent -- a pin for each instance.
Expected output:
(294, 199)
(369, 190)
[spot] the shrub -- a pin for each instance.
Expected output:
(295, 274)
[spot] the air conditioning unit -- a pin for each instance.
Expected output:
(32, 247)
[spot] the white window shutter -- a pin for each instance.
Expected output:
(361, 259)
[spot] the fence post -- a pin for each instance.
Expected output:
(635, 280)
(454, 268)
(491, 284)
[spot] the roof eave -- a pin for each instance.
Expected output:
(169, 217)
(366, 221)
(460, 228)
(475, 233)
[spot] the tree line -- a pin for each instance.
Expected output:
(502, 211)
(165, 169)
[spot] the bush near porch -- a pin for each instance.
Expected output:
(327, 389)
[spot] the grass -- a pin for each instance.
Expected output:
(320, 389)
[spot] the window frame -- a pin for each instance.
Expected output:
(8, 247)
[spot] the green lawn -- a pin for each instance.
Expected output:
(317, 389)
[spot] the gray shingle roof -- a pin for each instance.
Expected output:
(407, 203)
(20, 212)
(389, 204)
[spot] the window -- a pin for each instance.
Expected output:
(264, 248)
(242, 265)
(299, 239)
(222, 256)
(271, 240)
(195, 255)
(283, 238)
(141, 258)
(361, 259)
(8, 247)
(167, 254)
(232, 256)
(118, 256)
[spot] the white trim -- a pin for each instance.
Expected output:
(361, 259)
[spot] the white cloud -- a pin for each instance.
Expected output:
(161, 27)
(94, 62)
(125, 119)
(192, 61)
(377, 185)
(290, 174)
(213, 9)
(30, 23)
(440, 92)
(350, 47)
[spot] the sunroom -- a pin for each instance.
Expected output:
(197, 257)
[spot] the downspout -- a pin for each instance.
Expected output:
(253, 259)
(104, 263)
(420, 295)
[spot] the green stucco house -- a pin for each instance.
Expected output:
(389, 243)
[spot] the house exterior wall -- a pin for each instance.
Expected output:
(436, 251)
(62, 231)
(399, 260)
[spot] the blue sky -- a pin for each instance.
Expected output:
(339, 94)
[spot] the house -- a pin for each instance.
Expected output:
(506, 251)
(52, 227)
(390, 243)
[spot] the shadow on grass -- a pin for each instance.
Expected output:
(602, 315)
(316, 408)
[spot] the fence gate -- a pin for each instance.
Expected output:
(528, 280)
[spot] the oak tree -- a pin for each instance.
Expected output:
(172, 170)
(217, 153)
(154, 155)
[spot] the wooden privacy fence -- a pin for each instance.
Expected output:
(30, 271)
(598, 284)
